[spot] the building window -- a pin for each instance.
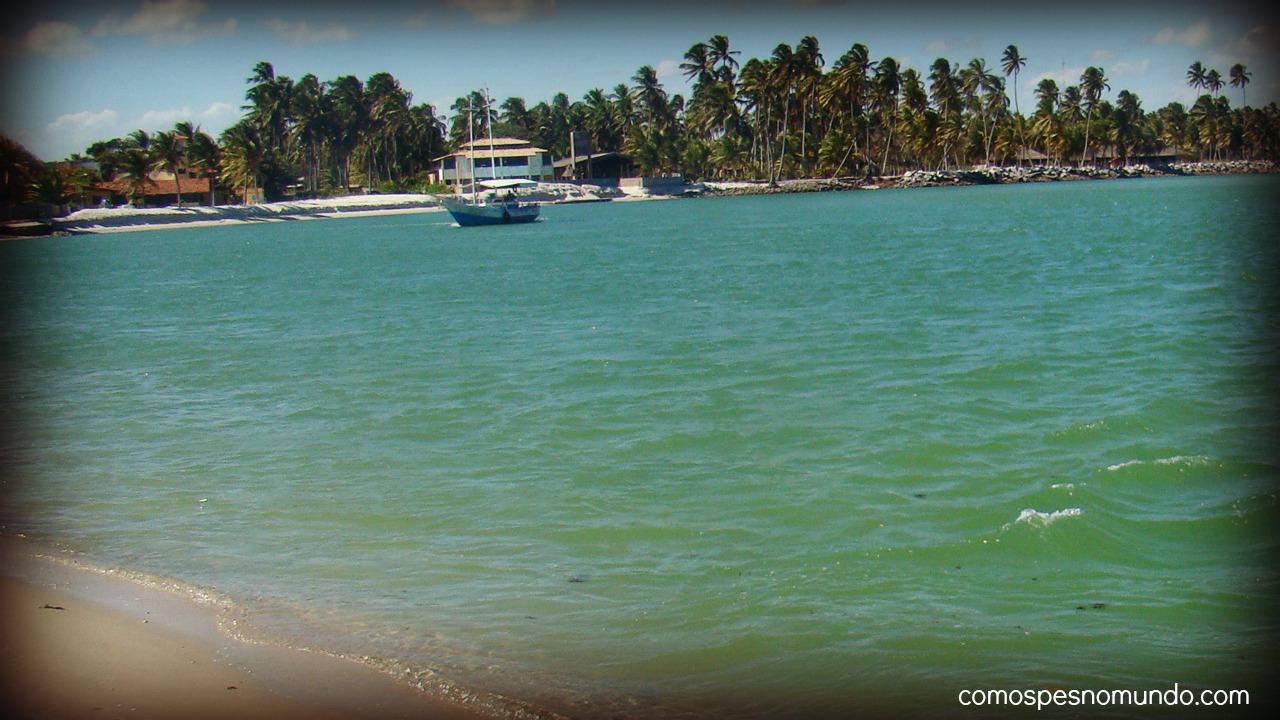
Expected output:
(450, 164)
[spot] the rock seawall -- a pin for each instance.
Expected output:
(989, 175)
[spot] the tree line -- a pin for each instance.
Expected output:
(787, 115)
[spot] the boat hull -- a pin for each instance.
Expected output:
(469, 215)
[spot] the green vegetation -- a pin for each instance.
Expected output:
(784, 116)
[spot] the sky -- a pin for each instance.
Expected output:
(73, 72)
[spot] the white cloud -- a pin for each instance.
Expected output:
(1127, 69)
(303, 32)
(166, 21)
(938, 47)
(1193, 35)
(56, 38)
(1102, 55)
(74, 132)
(668, 70)
(1063, 77)
(216, 117)
(84, 121)
(502, 12)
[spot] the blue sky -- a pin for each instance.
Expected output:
(76, 71)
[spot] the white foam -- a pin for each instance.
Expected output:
(1184, 460)
(1121, 466)
(1043, 519)
(1175, 460)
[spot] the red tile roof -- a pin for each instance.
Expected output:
(189, 186)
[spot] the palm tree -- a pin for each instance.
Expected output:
(756, 90)
(1126, 117)
(269, 97)
(698, 63)
(424, 136)
(1213, 81)
(1046, 96)
(842, 97)
(167, 148)
(782, 73)
(979, 85)
(888, 82)
(389, 116)
(1048, 131)
(627, 115)
(1012, 63)
(601, 121)
(722, 56)
(1172, 124)
(312, 112)
(243, 155)
(137, 162)
(1092, 83)
(945, 91)
(1240, 77)
(349, 119)
(649, 95)
(1195, 75)
(204, 153)
(517, 117)
(809, 62)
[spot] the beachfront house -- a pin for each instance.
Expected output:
(1032, 157)
(1109, 155)
(500, 158)
(159, 190)
(604, 168)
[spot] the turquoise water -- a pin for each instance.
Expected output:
(747, 456)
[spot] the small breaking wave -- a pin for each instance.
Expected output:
(1186, 460)
(1036, 518)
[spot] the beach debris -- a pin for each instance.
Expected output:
(51, 607)
(232, 687)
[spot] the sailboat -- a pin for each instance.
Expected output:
(500, 206)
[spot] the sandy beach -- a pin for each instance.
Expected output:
(87, 644)
(131, 219)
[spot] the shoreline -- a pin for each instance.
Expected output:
(93, 221)
(90, 642)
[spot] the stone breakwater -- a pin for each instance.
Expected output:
(989, 175)
(784, 186)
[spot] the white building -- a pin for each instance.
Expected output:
(500, 158)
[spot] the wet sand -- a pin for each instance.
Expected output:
(79, 643)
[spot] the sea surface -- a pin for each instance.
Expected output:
(751, 457)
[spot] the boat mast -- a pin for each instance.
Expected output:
(493, 162)
(471, 148)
